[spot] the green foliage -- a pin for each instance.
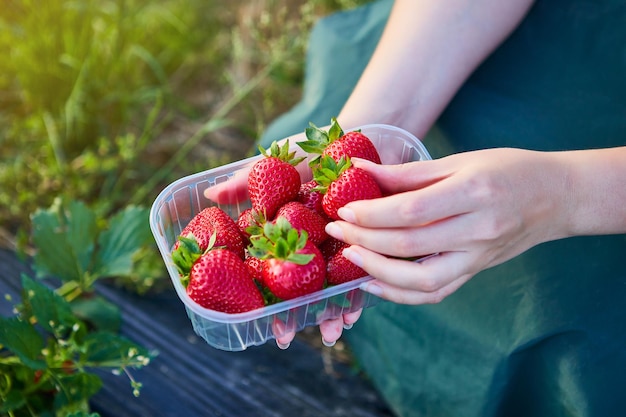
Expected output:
(78, 248)
(47, 352)
(102, 98)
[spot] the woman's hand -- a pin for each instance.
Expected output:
(474, 210)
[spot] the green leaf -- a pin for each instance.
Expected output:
(335, 131)
(75, 392)
(50, 309)
(14, 400)
(106, 349)
(102, 314)
(21, 338)
(64, 238)
(128, 231)
(300, 258)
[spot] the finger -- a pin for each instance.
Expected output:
(452, 234)
(398, 178)
(283, 336)
(230, 191)
(350, 318)
(331, 331)
(444, 199)
(427, 276)
(404, 296)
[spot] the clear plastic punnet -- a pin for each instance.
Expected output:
(180, 201)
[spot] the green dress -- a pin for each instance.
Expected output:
(545, 333)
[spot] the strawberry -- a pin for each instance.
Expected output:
(292, 266)
(302, 218)
(249, 222)
(220, 281)
(274, 179)
(341, 183)
(338, 268)
(255, 268)
(310, 196)
(214, 220)
(216, 278)
(337, 144)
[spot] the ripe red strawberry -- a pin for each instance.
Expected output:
(337, 144)
(214, 220)
(302, 218)
(219, 280)
(342, 183)
(216, 278)
(310, 196)
(293, 266)
(274, 179)
(338, 268)
(249, 222)
(255, 268)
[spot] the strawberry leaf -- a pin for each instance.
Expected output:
(335, 131)
(51, 310)
(99, 312)
(128, 232)
(84, 385)
(106, 347)
(21, 338)
(64, 236)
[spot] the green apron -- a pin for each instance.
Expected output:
(545, 333)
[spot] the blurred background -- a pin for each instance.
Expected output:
(108, 101)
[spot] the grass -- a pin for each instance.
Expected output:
(107, 101)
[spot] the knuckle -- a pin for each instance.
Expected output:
(435, 298)
(429, 285)
(404, 246)
(409, 211)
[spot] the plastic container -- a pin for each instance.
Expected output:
(180, 201)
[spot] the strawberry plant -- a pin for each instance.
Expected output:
(49, 349)
(47, 355)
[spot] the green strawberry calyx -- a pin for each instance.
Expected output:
(187, 253)
(280, 240)
(328, 170)
(318, 139)
(255, 228)
(282, 152)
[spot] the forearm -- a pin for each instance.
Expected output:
(427, 51)
(596, 191)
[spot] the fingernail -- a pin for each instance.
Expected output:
(282, 346)
(329, 344)
(372, 289)
(346, 214)
(348, 326)
(353, 256)
(334, 230)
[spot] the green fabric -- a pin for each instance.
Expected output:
(339, 49)
(545, 333)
